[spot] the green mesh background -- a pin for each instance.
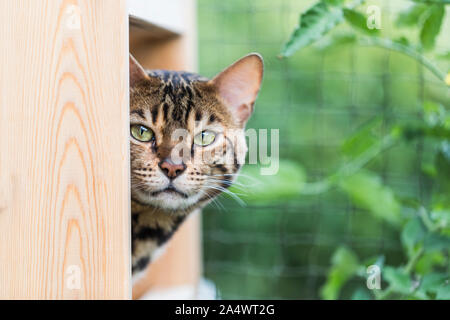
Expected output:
(316, 99)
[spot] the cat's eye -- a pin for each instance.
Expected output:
(142, 133)
(204, 138)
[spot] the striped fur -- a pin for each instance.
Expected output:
(166, 101)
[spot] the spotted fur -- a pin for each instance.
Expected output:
(165, 101)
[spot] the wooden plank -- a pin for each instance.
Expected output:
(180, 265)
(64, 159)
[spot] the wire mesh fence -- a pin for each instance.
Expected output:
(317, 99)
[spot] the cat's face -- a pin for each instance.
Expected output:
(187, 132)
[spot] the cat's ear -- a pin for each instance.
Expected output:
(137, 72)
(238, 85)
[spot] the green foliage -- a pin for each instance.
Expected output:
(441, 220)
(344, 265)
(367, 191)
(358, 21)
(361, 294)
(430, 260)
(314, 23)
(442, 165)
(432, 25)
(352, 105)
(325, 16)
(432, 282)
(429, 18)
(261, 189)
(425, 235)
(412, 234)
(443, 292)
(412, 16)
(398, 279)
(423, 225)
(362, 140)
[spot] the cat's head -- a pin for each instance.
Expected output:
(187, 132)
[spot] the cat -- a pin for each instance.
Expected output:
(172, 177)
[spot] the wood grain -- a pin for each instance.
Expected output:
(64, 160)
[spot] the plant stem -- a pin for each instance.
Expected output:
(409, 51)
(386, 293)
(426, 220)
(407, 269)
(413, 260)
(349, 168)
(434, 1)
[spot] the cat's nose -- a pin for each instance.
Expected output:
(170, 169)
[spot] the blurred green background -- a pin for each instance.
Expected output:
(281, 244)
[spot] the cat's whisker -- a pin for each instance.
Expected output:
(240, 175)
(237, 185)
(220, 183)
(224, 189)
(242, 189)
(143, 187)
(229, 182)
(214, 200)
(228, 192)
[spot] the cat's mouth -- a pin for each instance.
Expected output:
(170, 190)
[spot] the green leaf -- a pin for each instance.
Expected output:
(435, 114)
(441, 191)
(407, 50)
(402, 41)
(344, 266)
(418, 131)
(255, 188)
(428, 261)
(441, 218)
(337, 40)
(358, 20)
(412, 233)
(361, 294)
(443, 293)
(436, 242)
(444, 55)
(442, 164)
(432, 282)
(334, 2)
(378, 260)
(314, 23)
(398, 280)
(363, 139)
(368, 192)
(429, 169)
(432, 25)
(412, 16)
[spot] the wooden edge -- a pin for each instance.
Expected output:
(153, 30)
